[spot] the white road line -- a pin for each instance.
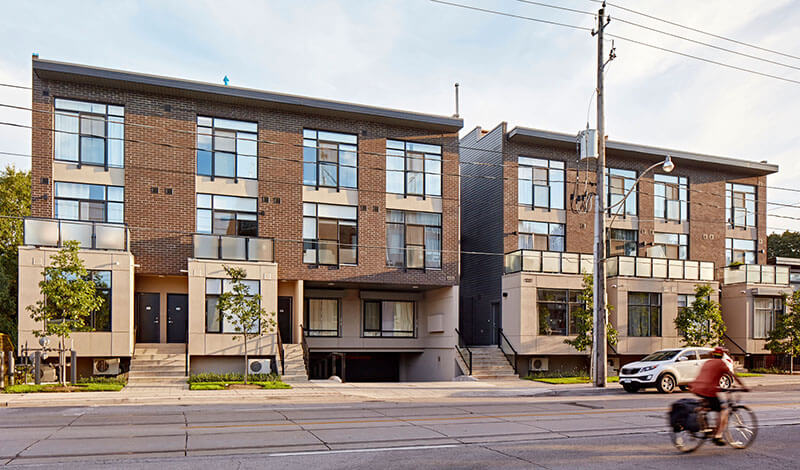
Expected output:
(352, 451)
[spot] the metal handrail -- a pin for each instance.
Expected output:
(280, 352)
(304, 345)
(460, 347)
(501, 338)
(725, 335)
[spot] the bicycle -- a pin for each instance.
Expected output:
(740, 433)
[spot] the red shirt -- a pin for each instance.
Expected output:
(707, 382)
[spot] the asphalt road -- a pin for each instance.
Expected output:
(579, 432)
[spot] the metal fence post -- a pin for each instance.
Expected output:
(73, 367)
(2, 369)
(11, 369)
(37, 367)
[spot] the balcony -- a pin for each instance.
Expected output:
(756, 274)
(548, 262)
(90, 235)
(228, 247)
(660, 268)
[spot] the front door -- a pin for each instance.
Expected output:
(149, 311)
(285, 319)
(177, 309)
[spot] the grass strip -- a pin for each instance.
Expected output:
(276, 385)
(568, 380)
(50, 388)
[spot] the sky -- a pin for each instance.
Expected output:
(407, 54)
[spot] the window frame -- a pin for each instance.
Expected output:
(402, 149)
(308, 331)
(649, 306)
(314, 243)
(661, 203)
(312, 141)
(732, 191)
(626, 244)
(105, 201)
(214, 211)
(682, 246)
(731, 251)
(631, 204)
(106, 117)
(568, 305)
(221, 320)
(550, 235)
(204, 130)
(381, 333)
(777, 308)
(551, 167)
(409, 250)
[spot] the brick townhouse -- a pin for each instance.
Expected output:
(703, 223)
(345, 218)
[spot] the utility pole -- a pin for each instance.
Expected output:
(600, 316)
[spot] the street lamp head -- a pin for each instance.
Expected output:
(668, 166)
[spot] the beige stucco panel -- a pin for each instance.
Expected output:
(226, 186)
(413, 203)
(542, 215)
(342, 197)
(737, 302)
(661, 225)
(117, 343)
(89, 174)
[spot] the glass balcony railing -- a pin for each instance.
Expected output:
(90, 235)
(756, 274)
(228, 247)
(660, 268)
(548, 262)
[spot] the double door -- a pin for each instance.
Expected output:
(148, 317)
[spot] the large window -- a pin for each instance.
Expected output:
(669, 245)
(766, 311)
(740, 251)
(671, 197)
(541, 236)
(622, 242)
(101, 319)
(413, 169)
(227, 215)
(740, 205)
(388, 318)
(322, 317)
(541, 183)
(89, 133)
(413, 239)
(216, 323)
(92, 202)
(330, 234)
(330, 159)
(644, 314)
(556, 309)
(618, 183)
(227, 148)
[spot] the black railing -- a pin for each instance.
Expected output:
(728, 338)
(510, 356)
(461, 347)
(280, 352)
(90, 235)
(304, 345)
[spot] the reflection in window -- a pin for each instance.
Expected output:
(618, 183)
(89, 133)
(738, 251)
(541, 183)
(322, 317)
(388, 318)
(644, 314)
(413, 239)
(227, 148)
(556, 309)
(622, 242)
(330, 234)
(91, 202)
(669, 245)
(330, 159)
(671, 197)
(413, 168)
(227, 215)
(740, 205)
(766, 311)
(215, 321)
(541, 236)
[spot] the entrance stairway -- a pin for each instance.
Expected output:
(294, 365)
(158, 365)
(489, 363)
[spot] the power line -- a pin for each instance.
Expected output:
(511, 15)
(556, 7)
(16, 86)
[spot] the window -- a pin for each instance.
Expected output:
(644, 314)
(766, 311)
(216, 323)
(388, 318)
(92, 202)
(541, 183)
(740, 251)
(685, 302)
(330, 234)
(671, 197)
(556, 308)
(413, 169)
(101, 319)
(618, 183)
(89, 133)
(669, 245)
(330, 159)
(622, 242)
(227, 215)
(740, 205)
(227, 148)
(322, 317)
(413, 239)
(541, 236)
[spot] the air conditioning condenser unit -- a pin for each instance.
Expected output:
(259, 366)
(539, 364)
(105, 366)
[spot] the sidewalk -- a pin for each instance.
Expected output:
(324, 391)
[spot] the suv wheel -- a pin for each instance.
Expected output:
(666, 383)
(725, 382)
(630, 388)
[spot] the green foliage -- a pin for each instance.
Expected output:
(583, 319)
(207, 386)
(101, 387)
(15, 200)
(243, 310)
(785, 337)
(701, 324)
(49, 388)
(232, 377)
(224, 385)
(585, 379)
(97, 379)
(784, 244)
(765, 370)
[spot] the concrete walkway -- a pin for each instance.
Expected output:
(324, 391)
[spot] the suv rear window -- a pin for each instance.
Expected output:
(661, 356)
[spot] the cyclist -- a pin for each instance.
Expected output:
(706, 386)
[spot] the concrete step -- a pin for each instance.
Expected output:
(159, 357)
(162, 372)
(496, 377)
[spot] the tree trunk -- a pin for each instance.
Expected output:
(246, 365)
(62, 358)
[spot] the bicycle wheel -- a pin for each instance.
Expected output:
(742, 427)
(687, 441)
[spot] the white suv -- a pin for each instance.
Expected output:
(668, 369)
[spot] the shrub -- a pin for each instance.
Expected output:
(768, 370)
(118, 380)
(232, 377)
(557, 374)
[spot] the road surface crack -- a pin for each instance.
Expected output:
(186, 440)
(514, 457)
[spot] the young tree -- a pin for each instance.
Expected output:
(243, 310)
(785, 337)
(701, 323)
(15, 200)
(582, 320)
(69, 297)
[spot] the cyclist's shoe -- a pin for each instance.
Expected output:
(718, 441)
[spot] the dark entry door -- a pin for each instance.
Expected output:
(177, 309)
(285, 319)
(149, 307)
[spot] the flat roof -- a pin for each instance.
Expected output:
(538, 136)
(53, 70)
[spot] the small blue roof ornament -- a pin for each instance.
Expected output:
(226, 80)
